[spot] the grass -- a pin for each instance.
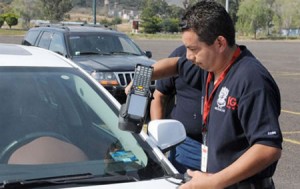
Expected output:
(12, 32)
(164, 36)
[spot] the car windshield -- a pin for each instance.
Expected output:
(102, 44)
(56, 121)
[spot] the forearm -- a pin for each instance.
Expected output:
(157, 108)
(165, 68)
(254, 160)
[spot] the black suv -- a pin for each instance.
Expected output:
(108, 55)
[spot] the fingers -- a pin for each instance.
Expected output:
(127, 89)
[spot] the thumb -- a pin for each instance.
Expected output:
(190, 172)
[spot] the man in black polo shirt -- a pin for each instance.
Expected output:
(242, 140)
(187, 110)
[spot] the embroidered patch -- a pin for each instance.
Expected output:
(221, 102)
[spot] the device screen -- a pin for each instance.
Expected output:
(137, 105)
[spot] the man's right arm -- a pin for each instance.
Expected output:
(161, 69)
(165, 68)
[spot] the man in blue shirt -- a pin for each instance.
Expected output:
(187, 110)
(241, 135)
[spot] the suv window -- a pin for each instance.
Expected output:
(95, 43)
(31, 37)
(57, 44)
(45, 40)
(128, 45)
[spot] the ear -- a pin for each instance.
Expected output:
(221, 43)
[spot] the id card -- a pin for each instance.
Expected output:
(204, 155)
(124, 156)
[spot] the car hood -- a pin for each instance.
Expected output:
(150, 184)
(111, 63)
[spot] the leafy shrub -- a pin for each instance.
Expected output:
(11, 19)
(1, 21)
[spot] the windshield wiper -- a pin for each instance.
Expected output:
(84, 179)
(122, 52)
(94, 53)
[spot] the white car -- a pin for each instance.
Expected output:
(59, 129)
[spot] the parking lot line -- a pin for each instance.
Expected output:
(285, 73)
(290, 112)
(290, 132)
(291, 141)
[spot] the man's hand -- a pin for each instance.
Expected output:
(200, 180)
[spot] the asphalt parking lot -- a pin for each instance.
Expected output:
(282, 58)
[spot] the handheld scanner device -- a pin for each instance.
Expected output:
(134, 112)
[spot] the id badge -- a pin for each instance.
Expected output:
(204, 155)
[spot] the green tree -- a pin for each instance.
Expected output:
(151, 24)
(170, 25)
(158, 16)
(252, 16)
(174, 11)
(2, 7)
(116, 20)
(11, 19)
(1, 21)
(288, 14)
(150, 16)
(55, 10)
(105, 22)
(27, 10)
(233, 8)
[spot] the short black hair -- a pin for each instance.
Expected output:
(209, 20)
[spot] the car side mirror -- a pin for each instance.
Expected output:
(148, 54)
(166, 133)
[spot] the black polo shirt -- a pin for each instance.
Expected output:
(244, 112)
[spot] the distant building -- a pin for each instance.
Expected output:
(292, 32)
(124, 14)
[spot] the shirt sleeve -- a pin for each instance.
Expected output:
(166, 86)
(179, 52)
(259, 112)
(190, 73)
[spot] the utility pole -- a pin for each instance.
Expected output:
(106, 7)
(227, 5)
(94, 12)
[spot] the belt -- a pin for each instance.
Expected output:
(266, 183)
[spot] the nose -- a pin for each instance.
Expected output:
(190, 56)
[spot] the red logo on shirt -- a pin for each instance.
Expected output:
(232, 103)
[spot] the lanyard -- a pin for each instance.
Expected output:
(208, 99)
